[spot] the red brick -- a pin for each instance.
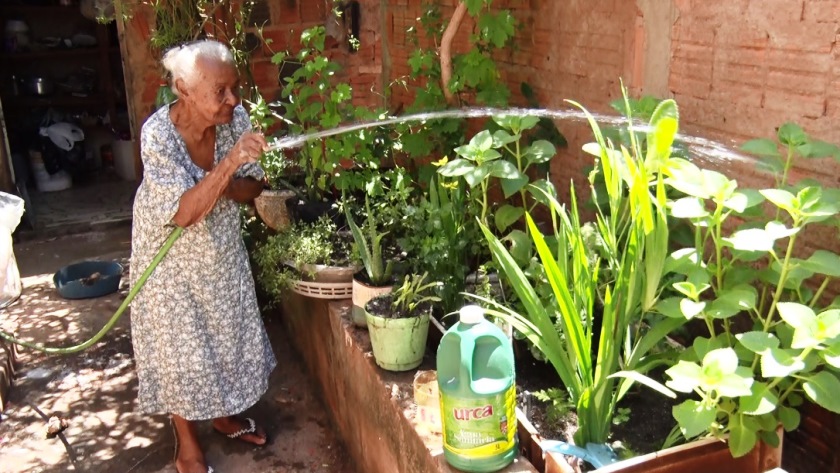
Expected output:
(799, 60)
(285, 12)
(806, 83)
(265, 73)
(821, 11)
(779, 14)
(742, 56)
(737, 93)
(277, 38)
(753, 76)
(720, 11)
(804, 36)
(794, 106)
(312, 11)
(736, 34)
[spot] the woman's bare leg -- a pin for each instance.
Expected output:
(189, 456)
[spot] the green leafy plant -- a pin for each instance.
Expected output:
(313, 100)
(369, 246)
(559, 407)
(293, 253)
(501, 155)
(413, 294)
(443, 240)
(750, 380)
(795, 143)
(440, 79)
(623, 284)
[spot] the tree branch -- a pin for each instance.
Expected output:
(446, 51)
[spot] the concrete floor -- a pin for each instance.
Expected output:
(95, 390)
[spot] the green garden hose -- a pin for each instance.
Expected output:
(176, 233)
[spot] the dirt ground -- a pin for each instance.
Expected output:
(96, 389)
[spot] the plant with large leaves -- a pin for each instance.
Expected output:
(622, 275)
(750, 381)
(501, 155)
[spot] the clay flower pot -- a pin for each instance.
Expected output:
(272, 209)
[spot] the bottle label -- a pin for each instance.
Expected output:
(479, 428)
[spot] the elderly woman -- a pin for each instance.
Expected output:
(200, 345)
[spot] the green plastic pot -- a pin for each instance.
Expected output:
(398, 344)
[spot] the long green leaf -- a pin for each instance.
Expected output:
(544, 332)
(577, 343)
(361, 243)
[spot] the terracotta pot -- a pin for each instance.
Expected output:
(272, 209)
(700, 456)
(362, 293)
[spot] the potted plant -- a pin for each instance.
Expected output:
(310, 259)
(751, 377)
(443, 239)
(613, 278)
(271, 205)
(621, 266)
(377, 277)
(312, 100)
(398, 323)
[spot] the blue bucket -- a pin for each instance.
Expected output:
(88, 279)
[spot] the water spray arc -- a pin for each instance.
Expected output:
(703, 146)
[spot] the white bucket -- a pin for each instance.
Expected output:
(124, 159)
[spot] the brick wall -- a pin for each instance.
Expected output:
(777, 63)
(738, 69)
(574, 49)
(285, 19)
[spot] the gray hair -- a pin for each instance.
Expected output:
(180, 61)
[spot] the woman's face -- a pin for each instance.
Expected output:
(214, 92)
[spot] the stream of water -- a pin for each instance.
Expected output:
(699, 147)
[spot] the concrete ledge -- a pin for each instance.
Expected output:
(372, 409)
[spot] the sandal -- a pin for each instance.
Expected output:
(251, 429)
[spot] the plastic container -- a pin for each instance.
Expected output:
(476, 379)
(164, 95)
(427, 398)
(123, 151)
(11, 211)
(88, 279)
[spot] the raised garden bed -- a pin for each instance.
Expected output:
(373, 409)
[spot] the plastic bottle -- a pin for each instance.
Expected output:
(164, 96)
(476, 380)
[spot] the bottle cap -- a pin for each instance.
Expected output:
(471, 314)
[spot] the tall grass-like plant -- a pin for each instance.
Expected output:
(369, 246)
(618, 280)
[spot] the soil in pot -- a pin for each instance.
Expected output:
(383, 307)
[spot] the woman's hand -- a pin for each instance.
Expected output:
(198, 201)
(248, 149)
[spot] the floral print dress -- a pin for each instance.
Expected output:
(199, 343)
